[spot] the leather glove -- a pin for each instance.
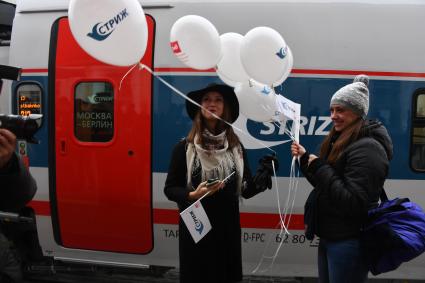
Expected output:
(263, 177)
(266, 163)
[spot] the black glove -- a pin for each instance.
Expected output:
(266, 163)
(263, 177)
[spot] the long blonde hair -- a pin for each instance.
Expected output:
(348, 136)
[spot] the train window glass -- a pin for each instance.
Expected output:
(29, 99)
(417, 156)
(94, 112)
(418, 149)
(420, 106)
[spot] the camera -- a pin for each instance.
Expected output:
(24, 127)
(10, 73)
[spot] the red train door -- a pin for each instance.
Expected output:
(102, 196)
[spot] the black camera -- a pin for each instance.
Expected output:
(10, 73)
(24, 127)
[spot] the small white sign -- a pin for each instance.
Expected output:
(196, 220)
(288, 110)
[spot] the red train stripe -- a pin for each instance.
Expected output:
(248, 219)
(183, 70)
(24, 71)
(294, 71)
(171, 216)
(353, 72)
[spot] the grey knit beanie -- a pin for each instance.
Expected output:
(354, 96)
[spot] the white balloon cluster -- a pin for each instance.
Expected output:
(117, 34)
(252, 64)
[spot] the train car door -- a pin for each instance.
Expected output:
(100, 137)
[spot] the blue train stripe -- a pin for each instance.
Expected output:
(390, 102)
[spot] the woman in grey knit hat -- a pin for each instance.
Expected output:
(347, 177)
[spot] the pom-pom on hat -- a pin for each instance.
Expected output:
(227, 92)
(354, 96)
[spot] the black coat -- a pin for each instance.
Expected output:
(345, 191)
(17, 186)
(217, 257)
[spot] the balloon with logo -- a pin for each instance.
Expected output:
(289, 65)
(256, 101)
(264, 55)
(116, 34)
(196, 42)
(229, 68)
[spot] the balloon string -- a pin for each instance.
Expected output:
(286, 131)
(142, 66)
(293, 186)
(295, 180)
(284, 217)
(283, 230)
(126, 74)
(282, 222)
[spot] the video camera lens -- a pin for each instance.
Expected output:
(24, 127)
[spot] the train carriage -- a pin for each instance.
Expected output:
(103, 151)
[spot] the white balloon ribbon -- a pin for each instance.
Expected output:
(268, 258)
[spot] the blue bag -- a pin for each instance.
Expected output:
(393, 234)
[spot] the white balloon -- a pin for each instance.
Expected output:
(256, 101)
(196, 42)
(264, 55)
(289, 65)
(230, 69)
(115, 34)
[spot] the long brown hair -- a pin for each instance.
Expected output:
(198, 127)
(348, 135)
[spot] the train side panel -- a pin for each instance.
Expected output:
(331, 42)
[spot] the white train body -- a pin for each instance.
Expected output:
(100, 193)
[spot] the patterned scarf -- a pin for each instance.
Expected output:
(215, 158)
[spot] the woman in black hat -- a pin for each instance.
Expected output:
(213, 150)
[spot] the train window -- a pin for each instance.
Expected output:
(28, 98)
(94, 112)
(420, 106)
(417, 156)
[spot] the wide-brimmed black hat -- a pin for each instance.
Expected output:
(228, 94)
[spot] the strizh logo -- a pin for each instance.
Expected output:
(266, 90)
(282, 52)
(176, 47)
(101, 31)
(270, 134)
(95, 98)
(198, 224)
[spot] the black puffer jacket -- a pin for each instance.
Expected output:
(345, 191)
(17, 185)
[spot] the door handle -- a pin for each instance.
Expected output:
(62, 146)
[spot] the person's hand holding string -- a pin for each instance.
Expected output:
(299, 151)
